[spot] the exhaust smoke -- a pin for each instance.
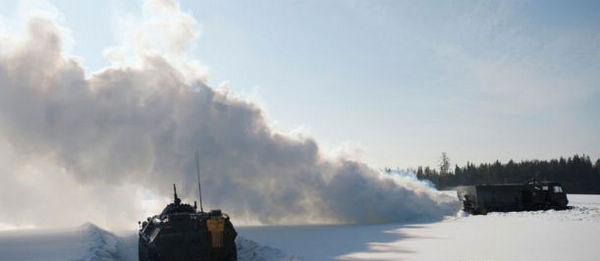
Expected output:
(79, 146)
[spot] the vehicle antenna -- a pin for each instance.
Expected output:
(199, 183)
(176, 199)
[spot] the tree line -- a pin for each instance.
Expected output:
(577, 174)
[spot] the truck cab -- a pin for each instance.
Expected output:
(555, 196)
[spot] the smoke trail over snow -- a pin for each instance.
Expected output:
(75, 146)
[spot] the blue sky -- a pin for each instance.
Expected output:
(401, 80)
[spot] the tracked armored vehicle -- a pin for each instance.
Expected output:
(179, 232)
(481, 199)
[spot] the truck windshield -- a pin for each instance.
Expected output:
(557, 189)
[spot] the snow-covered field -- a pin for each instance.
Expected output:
(541, 235)
(538, 235)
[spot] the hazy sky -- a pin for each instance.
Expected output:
(396, 82)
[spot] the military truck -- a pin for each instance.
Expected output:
(481, 199)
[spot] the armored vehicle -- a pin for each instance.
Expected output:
(179, 232)
(481, 199)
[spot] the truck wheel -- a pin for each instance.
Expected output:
(547, 206)
(483, 211)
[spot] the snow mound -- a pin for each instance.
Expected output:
(102, 245)
(249, 250)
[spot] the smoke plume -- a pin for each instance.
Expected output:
(77, 146)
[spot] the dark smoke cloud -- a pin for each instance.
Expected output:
(84, 142)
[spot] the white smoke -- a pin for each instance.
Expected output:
(77, 148)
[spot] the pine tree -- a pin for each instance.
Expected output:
(444, 164)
